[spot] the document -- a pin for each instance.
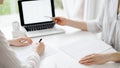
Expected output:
(84, 46)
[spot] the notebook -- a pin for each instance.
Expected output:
(36, 14)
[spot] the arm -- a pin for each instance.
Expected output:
(91, 25)
(8, 58)
(64, 21)
(78, 24)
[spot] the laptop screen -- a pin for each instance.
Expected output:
(36, 11)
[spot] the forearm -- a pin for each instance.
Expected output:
(78, 24)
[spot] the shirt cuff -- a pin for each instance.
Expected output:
(92, 26)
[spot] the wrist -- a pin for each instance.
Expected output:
(115, 57)
(112, 57)
(37, 51)
(109, 57)
(10, 42)
(68, 22)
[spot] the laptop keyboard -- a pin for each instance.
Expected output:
(39, 26)
(45, 32)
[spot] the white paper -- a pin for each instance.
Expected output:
(84, 46)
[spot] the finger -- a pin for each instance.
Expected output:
(40, 49)
(54, 20)
(86, 58)
(86, 61)
(57, 19)
(24, 44)
(41, 43)
(89, 55)
(26, 39)
(89, 63)
(38, 44)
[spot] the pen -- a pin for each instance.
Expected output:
(40, 40)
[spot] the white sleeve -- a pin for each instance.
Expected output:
(92, 26)
(32, 61)
(96, 25)
(8, 58)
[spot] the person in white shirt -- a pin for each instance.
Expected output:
(107, 22)
(8, 58)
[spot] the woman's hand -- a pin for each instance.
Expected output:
(22, 41)
(95, 59)
(61, 21)
(40, 48)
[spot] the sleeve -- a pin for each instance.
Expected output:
(92, 26)
(97, 24)
(8, 58)
(32, 61)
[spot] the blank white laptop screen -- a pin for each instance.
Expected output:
(31, 15)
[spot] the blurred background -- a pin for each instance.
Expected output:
(10, 6)
(73, 9)
(9, 13)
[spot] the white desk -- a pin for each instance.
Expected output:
(54, 57)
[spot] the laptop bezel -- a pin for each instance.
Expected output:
(22, 16)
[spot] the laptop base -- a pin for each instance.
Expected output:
(45, 32)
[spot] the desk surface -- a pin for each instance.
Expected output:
(54, 57)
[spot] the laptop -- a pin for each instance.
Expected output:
(35, 17)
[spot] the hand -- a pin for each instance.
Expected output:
(22, 41)
(60, 20)
(94, 59)
(40, 48)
